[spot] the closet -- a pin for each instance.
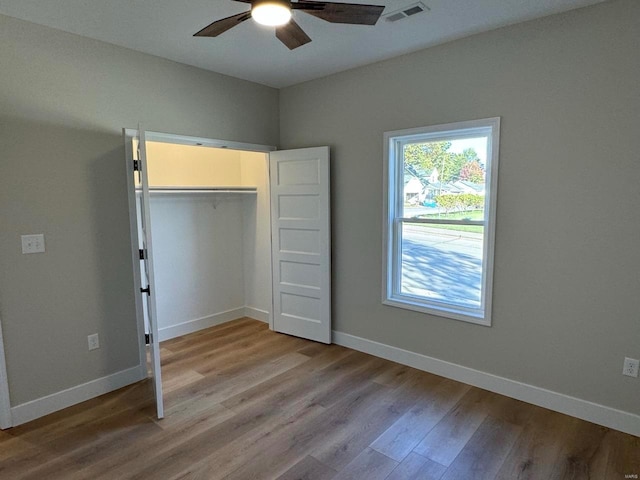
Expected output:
(223, 230)
(210, 222)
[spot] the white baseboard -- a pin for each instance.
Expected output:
(256, 314)
(194, 325)
(592, 412)
(57, 401)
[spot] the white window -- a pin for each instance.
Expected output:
(440, 203)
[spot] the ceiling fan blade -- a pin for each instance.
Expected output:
(221, 26)
(243, 1)
(292, 35)
(352, 13)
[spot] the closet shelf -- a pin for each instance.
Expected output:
(208, 190)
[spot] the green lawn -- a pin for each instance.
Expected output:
(469, 215)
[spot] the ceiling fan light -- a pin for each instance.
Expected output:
(271, 13)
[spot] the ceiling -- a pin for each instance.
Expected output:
(250, 51)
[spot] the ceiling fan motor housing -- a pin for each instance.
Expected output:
(284, 3)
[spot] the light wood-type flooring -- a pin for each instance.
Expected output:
(245, 403)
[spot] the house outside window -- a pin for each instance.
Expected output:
(440, 201)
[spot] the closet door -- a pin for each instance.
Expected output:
(5, 406)
(140, 185)
(301, 250)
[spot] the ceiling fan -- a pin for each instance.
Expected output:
(278, 13)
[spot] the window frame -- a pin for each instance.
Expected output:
(393, 203)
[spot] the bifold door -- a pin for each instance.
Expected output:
(301, 242)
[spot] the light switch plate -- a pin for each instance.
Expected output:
(33, 243)
(94, 341)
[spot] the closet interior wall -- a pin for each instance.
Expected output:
(211, 251)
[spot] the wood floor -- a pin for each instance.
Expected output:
(246, 403)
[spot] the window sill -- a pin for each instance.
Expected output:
(439, 312)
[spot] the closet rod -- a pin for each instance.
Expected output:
(202, 190)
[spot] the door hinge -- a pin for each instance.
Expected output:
(146, 290)
(136, 165)
(147, 339)
(142, 253)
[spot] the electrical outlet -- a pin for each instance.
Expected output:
(630, 367)
(94, 341)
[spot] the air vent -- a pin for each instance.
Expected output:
(406, 11)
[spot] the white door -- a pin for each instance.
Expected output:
(5, 407)
(138, 168)
(301, 248)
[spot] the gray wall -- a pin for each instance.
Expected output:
(63, 102)
(567, 281)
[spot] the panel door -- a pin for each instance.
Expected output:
(141, 187)
(301, 242)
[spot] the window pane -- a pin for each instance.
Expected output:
(442, 263)
(444, 178)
